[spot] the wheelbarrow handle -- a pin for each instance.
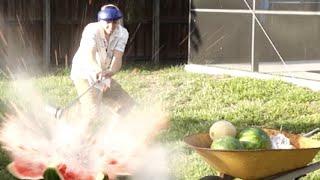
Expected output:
(296, 173)
(308, 134)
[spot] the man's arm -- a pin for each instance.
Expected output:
(116, 62)
(91, 57)
(115, 65)
(88, 49)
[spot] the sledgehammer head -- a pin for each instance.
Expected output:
(123, 177)
(55, 112)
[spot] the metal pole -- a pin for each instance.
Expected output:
(46, 33)
(249, 11)
(254, 62)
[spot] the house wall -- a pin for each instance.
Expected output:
(223, 35)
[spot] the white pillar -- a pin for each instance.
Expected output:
(254, 62)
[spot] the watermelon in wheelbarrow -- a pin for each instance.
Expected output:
(256, 164)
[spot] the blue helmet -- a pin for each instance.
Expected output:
(110, 13)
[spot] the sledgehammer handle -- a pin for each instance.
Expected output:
(71, 103)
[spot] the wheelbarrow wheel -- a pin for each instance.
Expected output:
(221, 177)
(297, 178)
(211, 178)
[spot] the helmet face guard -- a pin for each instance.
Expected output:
(110, 13)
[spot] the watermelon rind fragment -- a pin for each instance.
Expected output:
(12, 169)
(65, 174)
(51, 174)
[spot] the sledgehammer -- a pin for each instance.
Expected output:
(57, 112)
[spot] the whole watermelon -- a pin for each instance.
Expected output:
(254, 138)
(222, 128)
(226, 143)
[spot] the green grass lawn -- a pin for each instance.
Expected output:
(194, 102)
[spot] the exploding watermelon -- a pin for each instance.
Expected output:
(23, 169)
(254, 138)
(226, 143)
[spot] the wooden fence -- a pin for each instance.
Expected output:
(22, 30)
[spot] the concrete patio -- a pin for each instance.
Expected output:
(301, 73)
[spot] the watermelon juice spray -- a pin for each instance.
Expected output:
(76, 147)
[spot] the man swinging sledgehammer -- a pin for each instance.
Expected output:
(97, 59)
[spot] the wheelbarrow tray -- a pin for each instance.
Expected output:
(256, 164)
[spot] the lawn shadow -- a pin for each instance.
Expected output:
(4, 108)
(146, 66)
(295, 127)
(182, 127)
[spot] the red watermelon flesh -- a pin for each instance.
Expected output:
(23, 169)
(68, 174)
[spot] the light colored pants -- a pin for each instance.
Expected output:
(115, 98)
